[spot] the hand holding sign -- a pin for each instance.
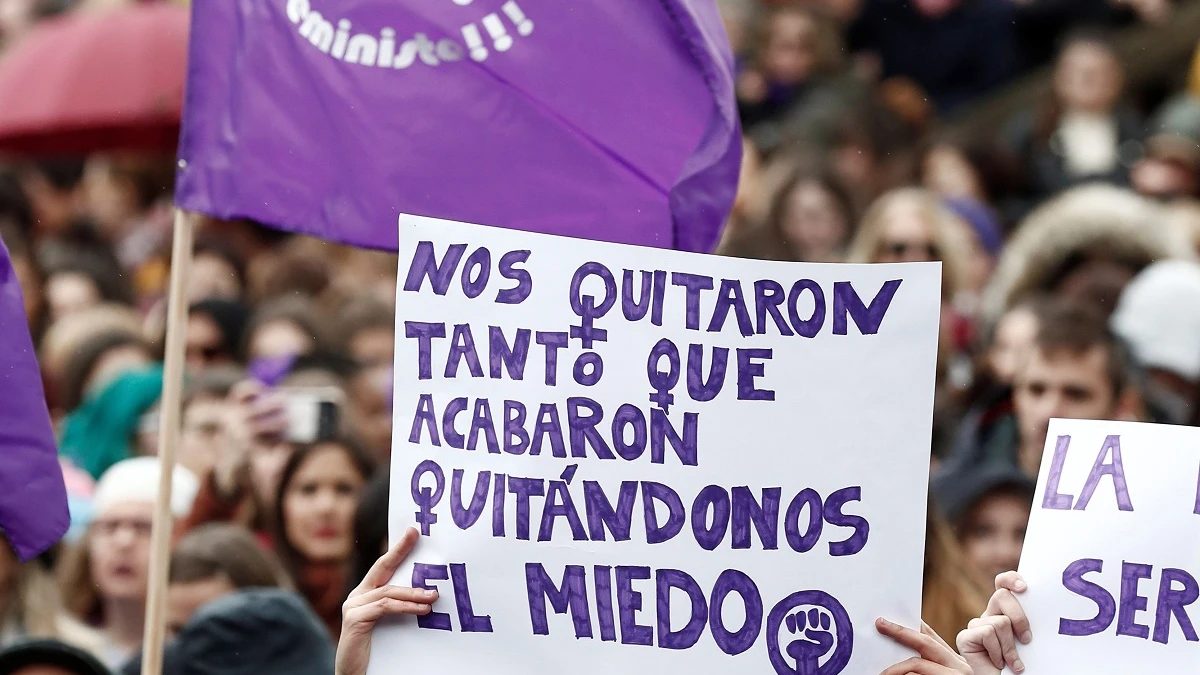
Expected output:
(986, 646)
(990, 642)
(373, 600)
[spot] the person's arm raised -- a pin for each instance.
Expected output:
(374, 599)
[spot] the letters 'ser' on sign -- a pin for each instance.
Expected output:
(1111, 556)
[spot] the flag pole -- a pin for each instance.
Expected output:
(168, 439)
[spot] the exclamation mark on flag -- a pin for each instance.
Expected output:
(500, 36)
(474, 42)
(522, 22)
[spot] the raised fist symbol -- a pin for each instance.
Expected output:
(813, 639)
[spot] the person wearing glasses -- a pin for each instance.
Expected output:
(105, 575)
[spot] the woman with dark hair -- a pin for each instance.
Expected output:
(319, 492)
(82, 278)
(813, 218)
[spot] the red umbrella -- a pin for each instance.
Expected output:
(96, 81)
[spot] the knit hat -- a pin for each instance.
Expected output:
(136, 480)
(982, 220)
(1158, 315)
(958, 492)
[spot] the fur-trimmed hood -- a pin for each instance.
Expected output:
(1091, 218)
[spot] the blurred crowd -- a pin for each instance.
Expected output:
(1070, 289)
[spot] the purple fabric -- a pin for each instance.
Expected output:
(610, 120)
(33, 499)
(271, 370)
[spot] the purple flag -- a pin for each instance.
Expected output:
(33, 500)
(604, 119)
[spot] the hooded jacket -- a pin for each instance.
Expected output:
(1093, 220)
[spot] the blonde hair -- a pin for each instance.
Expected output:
(947, 233)
(955, 591)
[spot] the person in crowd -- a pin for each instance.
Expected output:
(1077, 370)
(111, 389)
(812, 218)
(242, 486)
(286, 328)
(955, 50)
(988, 507)
(206, 414)
(1158, 316)
(218, 272)
(954, 167)
(369, 328)
(52, 188)
(915, 225)
(361, 274)
(1010, 340)
(984, 241)
(215, 333)
(64, 339)
(298, 267)
(318, 494)
(1081, 132)
(1170, 169)
(1084, 245)
(101, 361)
(104, 579)
(912, 225)
(798, 50)
(31, 607)
(49, 657)
(213, 561)
(954, 591)
(124, 196)
(81, 280)
(253, 631)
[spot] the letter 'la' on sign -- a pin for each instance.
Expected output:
(632, 460)
(1111, 556)
(611, 120)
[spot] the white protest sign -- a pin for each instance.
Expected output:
(635, 460)
(1111, 555)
